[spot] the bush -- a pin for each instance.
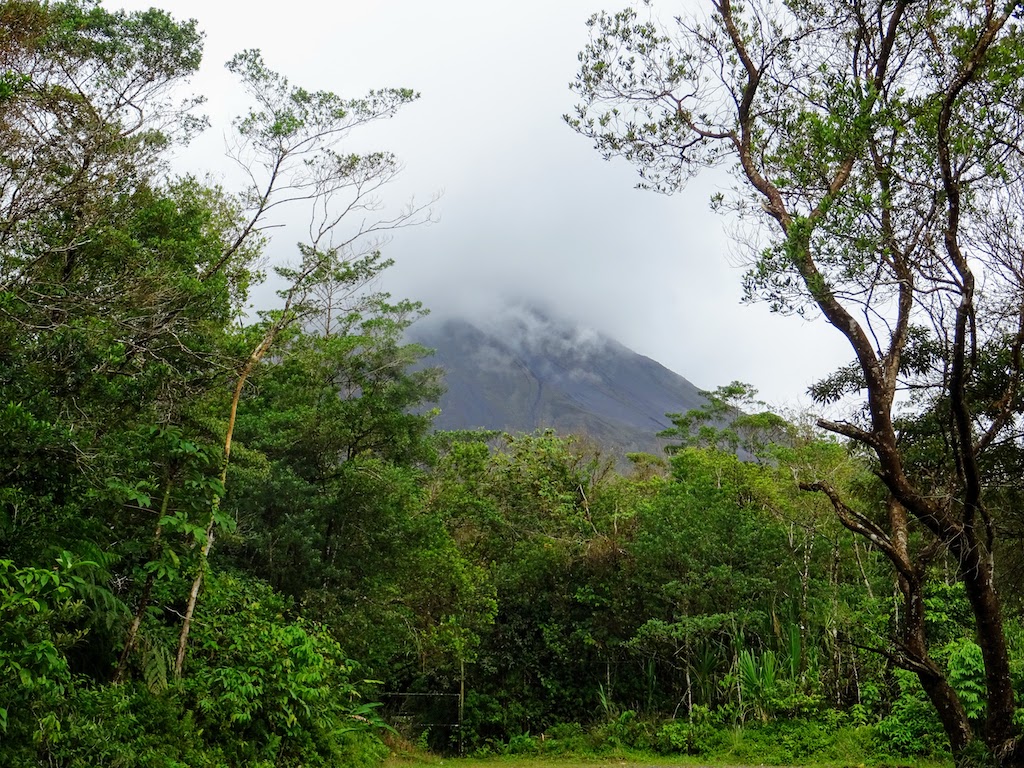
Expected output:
(702, 734)
(794, 742)
(627, 730)
(564, 739)
(524, 744)
(484, 722)
(912, 728)
(121, 725)
(273, 689)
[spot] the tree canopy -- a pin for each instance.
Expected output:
(233, 538)
(879, 148)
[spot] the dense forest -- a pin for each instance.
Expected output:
(234, 539)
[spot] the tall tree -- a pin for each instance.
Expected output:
(879, 146)
(287, 144)
(102, 309)
(122, 364)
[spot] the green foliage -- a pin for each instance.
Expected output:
(758, 679)
(702, 734)
(652, 610)
(912, 727)
(122, 726)
(967, 675)
(336, 437)
(705, 736)
(120, 292)
(725, 422)
(700, 604)
(876, 147)
(798, 741)
(703, 541)
(628, 730)
(40, 613)
(269, 688)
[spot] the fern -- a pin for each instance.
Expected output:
(155, 664)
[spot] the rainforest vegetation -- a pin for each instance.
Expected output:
(234, 539)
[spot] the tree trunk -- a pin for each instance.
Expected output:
(147, 590)
(938, 690)
(976, 574)
(204, 555)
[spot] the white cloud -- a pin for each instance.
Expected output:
(529, 209)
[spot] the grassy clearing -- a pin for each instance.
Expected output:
(605, 761)
(424, 760)
(639, 744)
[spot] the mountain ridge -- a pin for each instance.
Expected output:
(522, 369)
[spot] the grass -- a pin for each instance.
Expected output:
(634, 744)
(518, 761)
(426, 760)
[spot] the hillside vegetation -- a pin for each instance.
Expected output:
(234, 539)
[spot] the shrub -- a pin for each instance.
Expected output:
(912, 727)
(627, 730)
(701, 734)
(119, 725)
(271, 688)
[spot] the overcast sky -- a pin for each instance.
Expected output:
(528, 208)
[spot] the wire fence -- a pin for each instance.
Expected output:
(432, 719)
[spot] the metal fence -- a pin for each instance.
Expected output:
(432, 719)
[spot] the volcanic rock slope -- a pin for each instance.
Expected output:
(523, 370)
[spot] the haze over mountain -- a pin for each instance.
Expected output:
(523, 369)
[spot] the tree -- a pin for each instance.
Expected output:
(287, 147)
(725, 421)
(878, 146)
(122, 359)
(332, 416)
(114, 298)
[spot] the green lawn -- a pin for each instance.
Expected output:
(607, 761)
(533, 762)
